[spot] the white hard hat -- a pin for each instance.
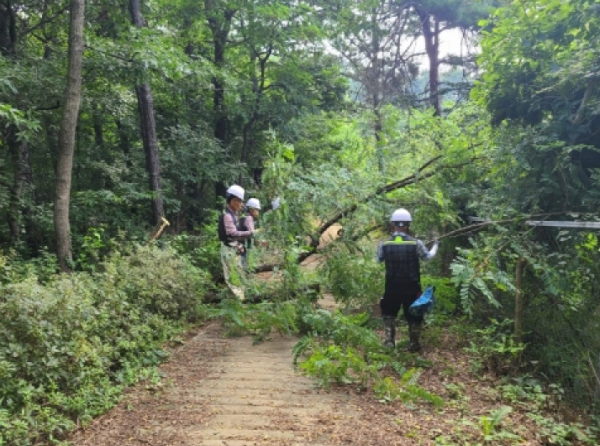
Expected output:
(236, 191)
(253, 203)
(401, 215)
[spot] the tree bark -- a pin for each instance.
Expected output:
(519, 299)
(8, 29)
(124, 144)
(219, 24)
(219, 28)
(148, 128)
(19, 152)
(66, 135)
(258, 89)
(432, 46)
(375, 81)
(98, 130)
(597, 392)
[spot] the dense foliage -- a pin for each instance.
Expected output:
(71, 343)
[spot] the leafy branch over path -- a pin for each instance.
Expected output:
(411, 179)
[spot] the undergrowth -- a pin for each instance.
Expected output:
(69, 344)
(335, 348)
(493, 351)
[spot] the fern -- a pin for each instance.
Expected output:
(342, 349)
(415, 392)
(407, 390)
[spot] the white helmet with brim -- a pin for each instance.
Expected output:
(401, 216)
(236, 191)
(253, 203)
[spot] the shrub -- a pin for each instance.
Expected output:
(495, 349)
(341, 349)
(67, 347)
(355, 278)
(204, 250)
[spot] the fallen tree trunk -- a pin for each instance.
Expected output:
(380, 191)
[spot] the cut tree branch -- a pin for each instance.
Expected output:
(383, 190)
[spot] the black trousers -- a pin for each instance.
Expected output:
(400, 294)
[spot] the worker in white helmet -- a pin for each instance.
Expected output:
(233, 240)
(252, 212)
(248, 223)
(402, 254)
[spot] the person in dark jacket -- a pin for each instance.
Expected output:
(233, 241)
(402, 254)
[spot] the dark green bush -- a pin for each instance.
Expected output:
(67, 347)
(204, 251)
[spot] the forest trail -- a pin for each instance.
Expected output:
(224, 391)
(218, 391)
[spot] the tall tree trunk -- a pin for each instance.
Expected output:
(519, 299)
(66, 135)
(597, 392)
(258, 89)
(148, 127)
(219, 24)
(8, 29)
(8, 37)
(98, 130)
(378, 141)
(31, 233)
(16, 148)
(432, 46)
(124, 144)
(377, 94)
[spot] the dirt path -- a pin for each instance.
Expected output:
(226, 392)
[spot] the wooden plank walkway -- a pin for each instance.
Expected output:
(224, 392)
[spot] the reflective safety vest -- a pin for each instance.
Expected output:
(401, 259)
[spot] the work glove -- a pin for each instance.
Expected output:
(275, 203)
(434, 248)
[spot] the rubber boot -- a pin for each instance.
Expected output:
(389, 325)
(414, 335)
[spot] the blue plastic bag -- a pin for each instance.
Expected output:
(424, 303)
